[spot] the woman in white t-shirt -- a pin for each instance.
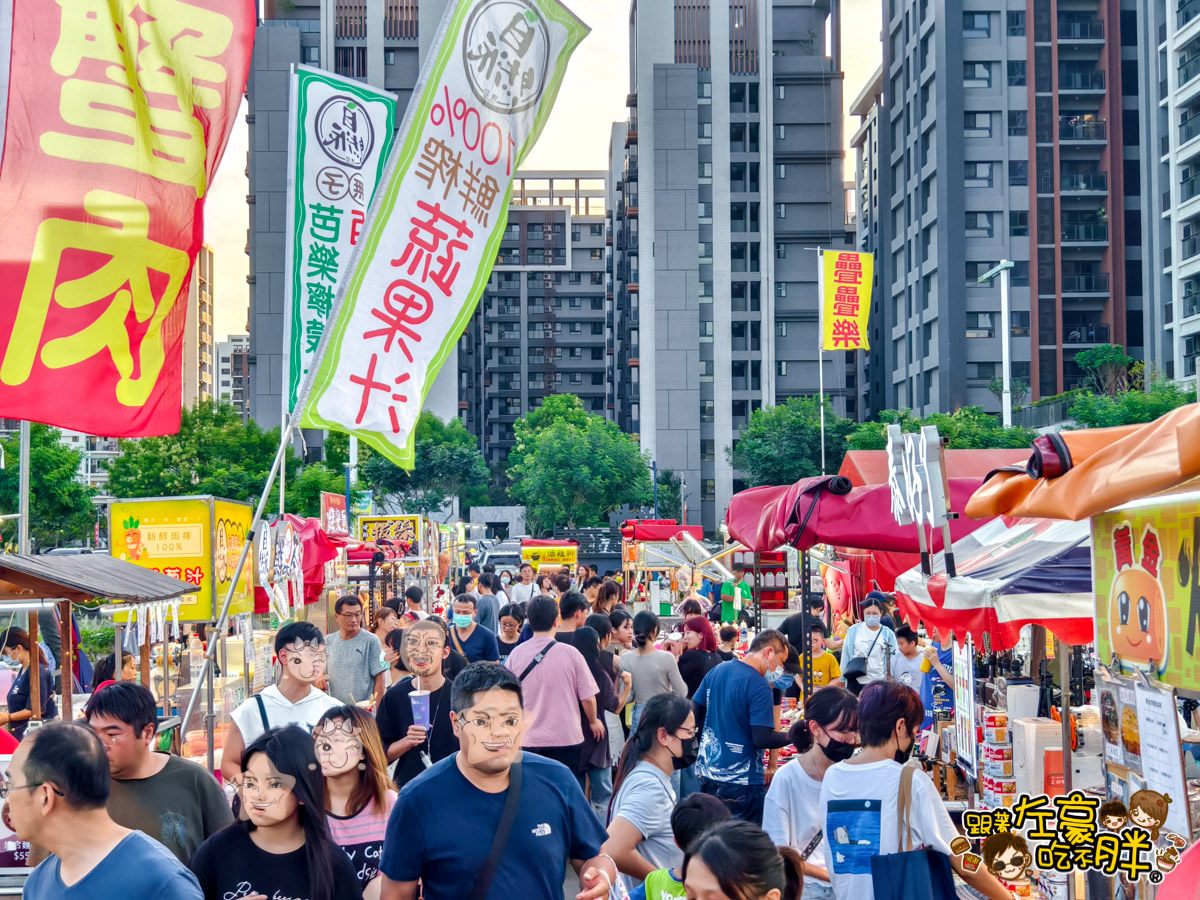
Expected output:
(858, 798)
(827, 734)
(295, 700)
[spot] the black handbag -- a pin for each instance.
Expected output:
(911, 873)
(857, 667)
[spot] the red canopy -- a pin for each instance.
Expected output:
(317, 547)
(809, 512)
(659, 530)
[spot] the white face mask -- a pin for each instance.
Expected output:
(872, 620)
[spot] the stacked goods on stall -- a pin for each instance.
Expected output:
(998, 786)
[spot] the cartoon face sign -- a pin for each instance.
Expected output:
(1006, 855)
(1137, 612)
(339, 747)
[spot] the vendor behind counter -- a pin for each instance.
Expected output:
(17, 647)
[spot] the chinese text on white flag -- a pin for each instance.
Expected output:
(435, 226)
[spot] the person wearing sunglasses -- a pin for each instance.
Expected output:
(55, 792)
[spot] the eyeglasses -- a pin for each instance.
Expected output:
(7, 787)
(347, 615)
(685, 733)
(109, 737)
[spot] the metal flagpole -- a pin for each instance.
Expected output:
(23, 492)
(821, 346)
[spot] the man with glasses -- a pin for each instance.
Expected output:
(55, 792)
(444, 827)
(356, 663)
(417, 747)
(174, 801)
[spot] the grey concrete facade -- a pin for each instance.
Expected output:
(730, 173)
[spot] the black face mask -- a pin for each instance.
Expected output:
(837, 751)
(689, 755)
(902, 756)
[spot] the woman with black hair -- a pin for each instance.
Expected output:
(826, 735)
(18, 648)
(282, 846)
(736, 860)
(622, 626)
(623, 681)
(640, 838)
(511, 617)
(654, 671)
(608, 596)
(595, 756)
(106, 670)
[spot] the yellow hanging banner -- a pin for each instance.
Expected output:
(845, 299)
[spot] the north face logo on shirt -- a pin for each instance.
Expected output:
(541, 830)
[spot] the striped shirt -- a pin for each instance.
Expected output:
(361, 836)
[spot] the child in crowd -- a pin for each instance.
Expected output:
(693, 816)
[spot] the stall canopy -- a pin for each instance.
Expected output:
(84, 577)
(1011, 573)
(659, 530)
(1077, 474)
(829, 510)
(871, 466)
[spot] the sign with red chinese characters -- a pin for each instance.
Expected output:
(116, 117)
(334, 518)
(434, 229)
(341, 132)
(845, 299)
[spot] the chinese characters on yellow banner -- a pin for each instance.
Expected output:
(845, 299)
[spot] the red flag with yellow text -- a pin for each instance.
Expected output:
(116, 117)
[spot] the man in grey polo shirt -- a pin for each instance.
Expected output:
(356, 664)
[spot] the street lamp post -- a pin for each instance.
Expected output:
(1004, 270)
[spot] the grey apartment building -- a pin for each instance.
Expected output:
(542, 326)
(380, 42)
(1000, 129)
(727, 174)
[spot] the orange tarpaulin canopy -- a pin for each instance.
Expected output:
(1101, 468)
(865, 467)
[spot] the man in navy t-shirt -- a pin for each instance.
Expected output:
(467, 636)
(442, 827)
(57, 788)
(736, 719)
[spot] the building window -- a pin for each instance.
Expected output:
(781, 251)
(705, 90)
(781, 210)
(1016, 24)
(979, 325)
(389, 57)
(977, 124)
(1016, 73)
(1018, 123)
(781, 289)
(1018, 172)
(706, 370)
(705, 131)
(781, 132)
(977, 74)
(779, 92)
(707, 411)
(781, 328)
(979, 224)
(977, 174)
(977, 25)
(974, 271)
(708, 449)
(706, 170)
(706, 330)
(708, 489)
(312, 54)
(1019, 326)
(781, 367)
(1018, 224)
(781, 170)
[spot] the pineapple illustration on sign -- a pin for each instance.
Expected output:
(133, 539)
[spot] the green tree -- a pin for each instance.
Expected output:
(61, 510)
(448, 465)
(1108, 366)
(1130, 407)
(214, 452)
(965, 429)
(303, 493)
(572, 467)
(782, 444)
(1019, 388)
(670, 495)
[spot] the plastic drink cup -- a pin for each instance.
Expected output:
(420, 708)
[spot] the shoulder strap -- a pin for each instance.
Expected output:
(457, 643)
(904, 810)
(483, 881)
(262, 712)
(874, 642)
(537, 659)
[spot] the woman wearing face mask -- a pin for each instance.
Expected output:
(512, 617)
(737, 861)
(282, 846)
(358, 792)
(828, 734)
(18, 648)
(872, 640)
(640, 838)
(889, 717)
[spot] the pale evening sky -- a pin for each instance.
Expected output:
(576, 136)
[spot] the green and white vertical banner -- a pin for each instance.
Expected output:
(340, 133)
(433, 232)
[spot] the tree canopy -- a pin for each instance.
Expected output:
(571, 467)
(1108, 365)
(967, 428)
(782, 444)
(448, 465)
(1130, 407)
(60, 505)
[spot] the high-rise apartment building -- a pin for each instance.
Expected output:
(380, 42)
(1002, 129)
(730, 175)
(198, 343)
(233, 373)
(541, 326)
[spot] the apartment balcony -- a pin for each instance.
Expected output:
(1186, 11)
(1191, 297)
(1083, 29)
(1189, 69)
(1085, 233)
(1075, 129)
(1191, 246)
(631, 137)
(1090, 81)
(1188, 189)
(1096, 283)
(1084, 183)
(1086, 333)
(1189, 127)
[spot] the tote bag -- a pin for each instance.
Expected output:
(911, 873)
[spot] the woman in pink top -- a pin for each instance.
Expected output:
(359, 794)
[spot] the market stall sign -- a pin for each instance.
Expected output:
(194, 539)
(550, 556)
(334, 518)
(1146, 576)
(397, 529)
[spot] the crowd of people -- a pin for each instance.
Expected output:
(541, 733)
